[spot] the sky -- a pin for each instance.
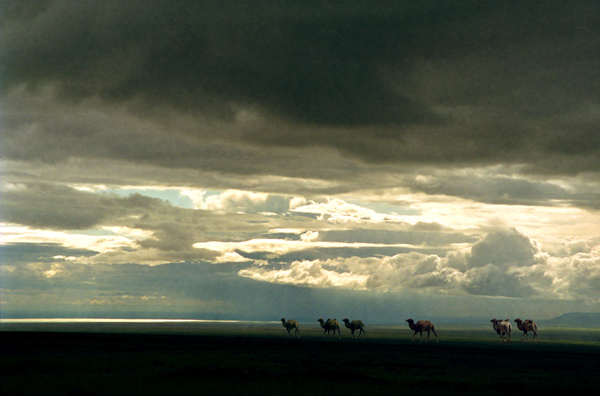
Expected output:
(268, 159)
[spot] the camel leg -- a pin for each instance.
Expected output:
(428, 334)
(436, 336)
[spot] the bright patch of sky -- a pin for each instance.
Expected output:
(171, 195)
(381, 207)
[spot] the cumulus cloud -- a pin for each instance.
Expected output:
(308, 273)
(503, 248)
(238, 201)
(577, 276)
(403, 271)
(503, 263)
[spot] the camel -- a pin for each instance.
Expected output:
(329, 325)
(502, 327)
(356, 325)
(527, 326)
(420, 327)
(291, 325)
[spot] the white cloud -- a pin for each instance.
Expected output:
(309, 236)
(308, 273)
(575, 277)
(238, 201)
(231, 257)
(297, 202)
(100, 243)
(336, 210)
(503, 263)
(278, 247)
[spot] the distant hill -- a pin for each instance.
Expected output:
(577, 319)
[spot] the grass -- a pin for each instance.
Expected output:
(263, 361)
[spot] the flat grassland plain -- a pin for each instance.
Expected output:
(258, 359)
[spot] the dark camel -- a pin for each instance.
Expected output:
(420, 327)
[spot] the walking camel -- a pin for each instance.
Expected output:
(527, 326)
(420, 327)
(329, 325)
(502, 327)
(291, 325)
(355, 325)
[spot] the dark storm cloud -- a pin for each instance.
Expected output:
(24, 253)
(462, 82)
(494, 189)
(58, 207)
(318, 65)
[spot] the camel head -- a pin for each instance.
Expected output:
(346, 320)
(410, 321)
(495, 322)
(518, 321)
(282, 320)
(320, 320)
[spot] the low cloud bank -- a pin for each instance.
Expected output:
(504, 263)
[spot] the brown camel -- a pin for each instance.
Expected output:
(420, 327)
(329, 325)
(527, 326)
(502, 327)
(291, 325)
(356, 325)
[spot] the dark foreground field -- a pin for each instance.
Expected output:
(101, 363)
